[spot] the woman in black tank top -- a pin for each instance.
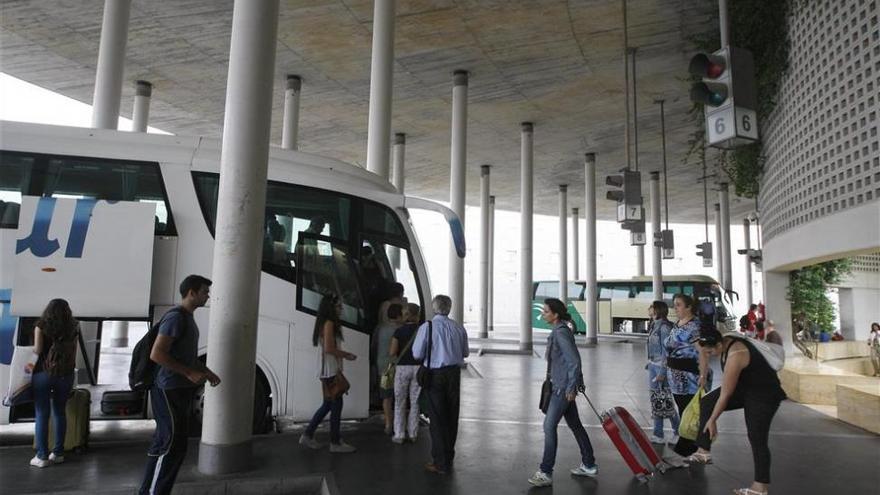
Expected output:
(748, 383)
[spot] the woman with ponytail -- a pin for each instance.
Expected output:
(566, 379)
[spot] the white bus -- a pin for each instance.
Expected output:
(367, 242)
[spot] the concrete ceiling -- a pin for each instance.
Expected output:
(556, 63)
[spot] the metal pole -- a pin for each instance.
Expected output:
(525, 240)
(657, 273)
(748, 245)
(719, 269)
(591, 313)
(140, 113)
(398, 178)
(111, 63)
(490, 305)
(640, 250)
(457, 178)
(626, 139)
(290, 121)
(575, 252)
(484, 251)
(724, 200)
(563, 242)
(663, 147)
(381, 74)
(722, 19)
(235, 296)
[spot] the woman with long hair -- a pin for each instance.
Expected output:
(55, 336)
(567, 379)
(658, 331)
(327, 337)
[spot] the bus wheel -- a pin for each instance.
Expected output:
(262, 407)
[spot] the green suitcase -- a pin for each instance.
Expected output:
(78, 412)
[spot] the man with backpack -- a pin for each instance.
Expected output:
(179, 372)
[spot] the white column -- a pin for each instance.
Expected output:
(719, 269)
(640, 260)
(591, 314)
(398, 178)
(778, 306)
(575, 252)
(235, 296)
(290, 121)
(457, 177)
(563, 242)
(119, 334)
(525, 239)
(748, 263)
(724, 201)
(657, 271)
(111, 63)
(484, 251)
(490, 305)
(140, 113)
(381, 74)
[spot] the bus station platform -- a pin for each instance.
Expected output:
(499, 446)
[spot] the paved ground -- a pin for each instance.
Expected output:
(499, 446)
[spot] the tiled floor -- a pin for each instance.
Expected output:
(499, 446)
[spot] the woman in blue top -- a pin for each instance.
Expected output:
(685, 372)
(567, 379)
(658, 332)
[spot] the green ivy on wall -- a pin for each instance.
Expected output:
(760, 26)
(808, 288)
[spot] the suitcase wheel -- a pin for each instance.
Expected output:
(643, 478)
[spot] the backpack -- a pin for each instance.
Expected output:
(744, 322)
(58, 362)
(142, 372)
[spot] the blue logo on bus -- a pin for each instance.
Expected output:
(38, 241)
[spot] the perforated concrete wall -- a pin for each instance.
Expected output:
(821, 142)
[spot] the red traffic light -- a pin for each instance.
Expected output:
(708, 66)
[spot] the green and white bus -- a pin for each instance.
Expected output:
(623, 303)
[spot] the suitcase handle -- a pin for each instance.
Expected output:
(584, 392)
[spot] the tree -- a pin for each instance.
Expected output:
(808, 288)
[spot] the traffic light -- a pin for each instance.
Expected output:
(628, 195)
(755, 256)
(667, 244)
(636, 232)
(727, 92)
(705, 252)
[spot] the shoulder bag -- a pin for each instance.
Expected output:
(334, 386)
(547, 387)
(387, 380)
(423, 375)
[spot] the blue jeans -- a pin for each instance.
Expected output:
(561, 408)
(653, 372)
(334, 407)
(50, 392)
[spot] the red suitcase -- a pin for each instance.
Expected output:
(631, 442)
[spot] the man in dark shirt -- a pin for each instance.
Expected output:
(180, 372)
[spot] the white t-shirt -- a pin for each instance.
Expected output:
(328, 364)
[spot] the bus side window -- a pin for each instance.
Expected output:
(13, 184)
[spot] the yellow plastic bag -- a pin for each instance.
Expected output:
(689, 427)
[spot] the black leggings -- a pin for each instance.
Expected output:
(758, 413)
(684, 447)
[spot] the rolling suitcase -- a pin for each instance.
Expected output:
(78, 414)
(631, 442)
(122, 403)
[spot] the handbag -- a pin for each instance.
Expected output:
(547, 386)
(423, 374)
(21, 371)
(387, 380)
(662, 403)
(335, 386)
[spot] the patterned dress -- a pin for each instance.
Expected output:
(678, 345)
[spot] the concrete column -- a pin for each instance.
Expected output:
(119, 334)
(575, 252)
(490, 305)
(778, 306)
(657, 271)
(748, 263)
(563, 242)
(525, 239)
(484, 251)
(140, 114)
(398, 178)
(591, 314)
(457, 178)
(724, 201)
(290, 121)
(381, 74)
(719, 269)
(235, 296)
(111, 63)
(640, 260)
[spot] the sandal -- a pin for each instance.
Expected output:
(700, 458)
(747, 491)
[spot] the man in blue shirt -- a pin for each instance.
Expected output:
(448, 348)
(176, 352)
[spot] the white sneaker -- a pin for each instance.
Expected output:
(673, 440)
(40, 463)
(657, 440)
(541, 478)
(583, 470)
(56, 459)
(341, 448)
(309, 442)
(397, 440)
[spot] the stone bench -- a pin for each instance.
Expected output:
(859, 405)
(827, 351)
(809, 382)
